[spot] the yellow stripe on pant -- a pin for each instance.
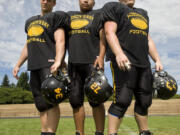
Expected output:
(114, 85)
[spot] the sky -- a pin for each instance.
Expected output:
(164, 30)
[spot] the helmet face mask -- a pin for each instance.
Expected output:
(97, 88)
(164, 84)
(55, 89)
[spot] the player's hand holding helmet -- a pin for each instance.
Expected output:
(55, 88)
(97, 88)
(164, 84)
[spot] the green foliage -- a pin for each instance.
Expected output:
(177, 96)
(12, 85)
(5, 82)
(15, 96)
(23, 81)
(5, 95)
(19, 96)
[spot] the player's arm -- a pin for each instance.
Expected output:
(110, 32)
(99, 62)
(22, 59)
(59, 36)
(154, 54)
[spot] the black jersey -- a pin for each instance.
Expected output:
(40, 38)
(83, 43)
(132, 32)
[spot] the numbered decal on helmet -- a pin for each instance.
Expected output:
(171, 85)
(95, 87)
(174, 84)
(58, 93)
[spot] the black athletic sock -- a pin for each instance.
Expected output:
(114, 134)
(147, 132)
(99, 133)
(77, 133)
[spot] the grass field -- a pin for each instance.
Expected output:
(159, 125)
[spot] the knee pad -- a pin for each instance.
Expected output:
(41, 104)
(142, 110)
(142, 105)
(76, 101)
(94, 105)
(117, 110)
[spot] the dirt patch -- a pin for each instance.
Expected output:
(158, 107)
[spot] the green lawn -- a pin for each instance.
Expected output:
(159, 125)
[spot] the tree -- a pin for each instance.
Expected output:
(15, 96)
(23, 81)
(12, 85)
(5, 82)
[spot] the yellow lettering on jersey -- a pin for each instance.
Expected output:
(139, 32)
(39, 22)
(139, 23)
(72, 32)
(88, 17)
(95, 87)
(35, 30)
(133, 14)
(138, 20)
(79, 23)
(82, 17)
(36, 40)
(75, 17)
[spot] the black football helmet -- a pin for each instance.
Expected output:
(164, 84)
(55, 88)
(97, 88)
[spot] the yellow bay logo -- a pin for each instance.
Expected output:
(139, 23)
(35, 30)
(79, 23)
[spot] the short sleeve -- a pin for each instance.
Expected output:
(100, 21)
(112, 11)
(28, 21)
(61, 20)
(25, 27)
(109, 13)
(146, 14)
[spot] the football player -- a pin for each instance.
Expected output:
(44, 50)
(127, 33)
(86, 51)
